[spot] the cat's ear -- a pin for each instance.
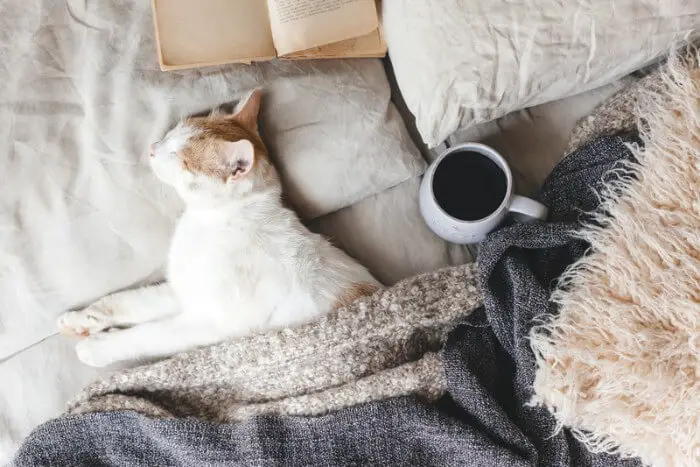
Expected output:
(238, 158)
(247, 110)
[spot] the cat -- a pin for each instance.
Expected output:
(239, 260)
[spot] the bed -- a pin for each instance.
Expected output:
(81, 215)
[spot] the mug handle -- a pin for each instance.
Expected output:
(528, 208)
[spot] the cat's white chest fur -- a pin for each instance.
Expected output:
(200, 263)
(247, 269)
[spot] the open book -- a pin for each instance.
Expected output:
(193, 33)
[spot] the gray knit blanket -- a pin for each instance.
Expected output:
(379, 347)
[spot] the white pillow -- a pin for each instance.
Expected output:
(82, 96)
(460, 62)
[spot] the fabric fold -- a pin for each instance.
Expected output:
(378, 347)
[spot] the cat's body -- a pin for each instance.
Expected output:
(239, 260)
(262, 259)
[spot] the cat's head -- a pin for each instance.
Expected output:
(216, 157)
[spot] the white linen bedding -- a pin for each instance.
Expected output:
(81, 97)
(81, 215)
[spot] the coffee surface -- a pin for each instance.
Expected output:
(469, 186)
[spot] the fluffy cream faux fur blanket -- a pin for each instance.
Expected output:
(620, 363)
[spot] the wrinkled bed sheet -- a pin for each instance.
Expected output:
(81, 97)
(81, 216)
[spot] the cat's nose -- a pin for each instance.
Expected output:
(152, 150)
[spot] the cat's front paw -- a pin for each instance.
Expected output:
(93, 319)
(91, 352)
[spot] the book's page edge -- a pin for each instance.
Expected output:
(379, 53)
(328, 57)
(344, 38)
(189, 66)
(156, 33)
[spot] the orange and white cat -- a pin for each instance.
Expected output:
(239, 260)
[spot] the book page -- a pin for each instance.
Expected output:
(212, 32)
(369, 45)
(299, 25)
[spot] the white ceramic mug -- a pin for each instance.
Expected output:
(456, 230)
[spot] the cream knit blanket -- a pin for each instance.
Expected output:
(382, 346)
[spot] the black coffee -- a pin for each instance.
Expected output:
(468, 185)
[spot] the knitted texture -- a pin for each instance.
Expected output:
(613, 116)
(378, 347)
(620, 363)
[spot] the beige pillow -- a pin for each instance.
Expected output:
(460, 62)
